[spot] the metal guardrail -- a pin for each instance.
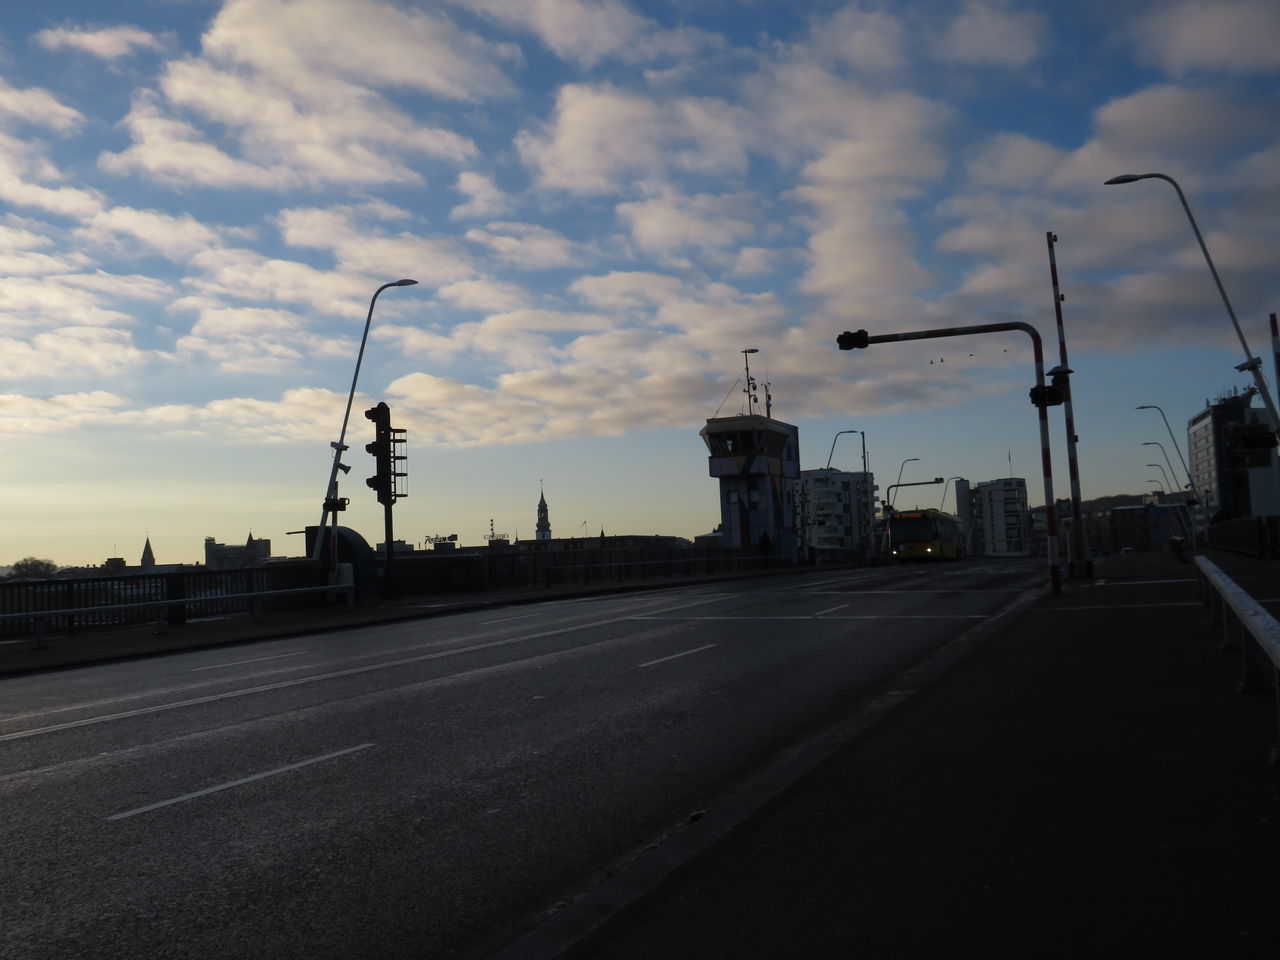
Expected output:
(40, 618)
(1247, 627)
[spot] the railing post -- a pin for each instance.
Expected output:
(175, 589)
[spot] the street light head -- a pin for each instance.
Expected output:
(404, 283)
(749, 350)
(1147, 406)
(1125, 178)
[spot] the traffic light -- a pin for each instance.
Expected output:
(848, 340)
(1049, 395)
(386, 458)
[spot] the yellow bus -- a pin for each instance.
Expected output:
(925, 535)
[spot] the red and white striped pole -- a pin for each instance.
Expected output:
(848, 341)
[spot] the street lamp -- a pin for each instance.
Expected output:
(944, 492)
(864, 447)
(1251, 363)
(1191, 484)
(1158, 484)
(331, 505)
(898, 482)
(1153, 443)
(1167, 482)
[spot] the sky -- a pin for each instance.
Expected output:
(603, 202)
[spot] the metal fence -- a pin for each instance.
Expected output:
(28, 607)
(1247, 628)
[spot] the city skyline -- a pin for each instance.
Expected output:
(603, 204)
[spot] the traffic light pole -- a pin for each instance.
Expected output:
(1041, 397)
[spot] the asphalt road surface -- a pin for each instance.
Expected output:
(422, 789)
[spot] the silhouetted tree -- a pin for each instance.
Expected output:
(34, 567)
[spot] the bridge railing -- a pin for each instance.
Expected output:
(1246, 627)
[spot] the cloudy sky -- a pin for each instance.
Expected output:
(603, 202)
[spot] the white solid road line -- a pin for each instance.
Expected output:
(237, 663)
(676, 656)
(237, 783)
(822, 613)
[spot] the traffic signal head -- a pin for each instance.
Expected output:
(848, 340)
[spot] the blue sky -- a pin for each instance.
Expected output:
(603, 203)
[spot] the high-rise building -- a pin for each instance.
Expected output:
(837, 509)
(1000, 521)
(1234, 474)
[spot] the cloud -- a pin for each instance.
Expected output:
(360, 248)
(312, 47)
(175, 152)
(989, 34)
(589, 31)
(297, 87)
(249, 339)
(526, 245)
(870, 41)
(80, 300)
(704, 221)
(484, 295)
(109, 43)
(71, 351)
(150, 231)
(36, 416)
(602, 137)
(1223, 36)
(37, 107)
(484, 198)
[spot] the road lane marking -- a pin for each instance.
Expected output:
(316, 678)
(527, 616)
(822, 613)
(676, 656)
(237, 663)
(237, 783)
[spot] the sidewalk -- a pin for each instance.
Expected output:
(1087, 782)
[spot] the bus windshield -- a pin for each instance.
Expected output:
(912, 528)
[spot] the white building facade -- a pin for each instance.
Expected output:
(836, 510)
(1000, 520)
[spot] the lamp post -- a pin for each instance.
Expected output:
(944, 491)
(1158, 485)
(1167, 482)
(864, 447)
(898, 482)
(1191, 484)
(331, 504)
(1153, 443)
(1251, 363)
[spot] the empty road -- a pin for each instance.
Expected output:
(417, 789)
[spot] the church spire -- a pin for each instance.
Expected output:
(148, 558)
(542, 529)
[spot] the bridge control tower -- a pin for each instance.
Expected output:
(757, 461)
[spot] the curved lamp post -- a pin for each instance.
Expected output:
(1167, 482)
(1251, 363)
(1153, 443)
(944, 491)
(864, 447)
(898, 482)
(1191, 484)
(331, 506)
